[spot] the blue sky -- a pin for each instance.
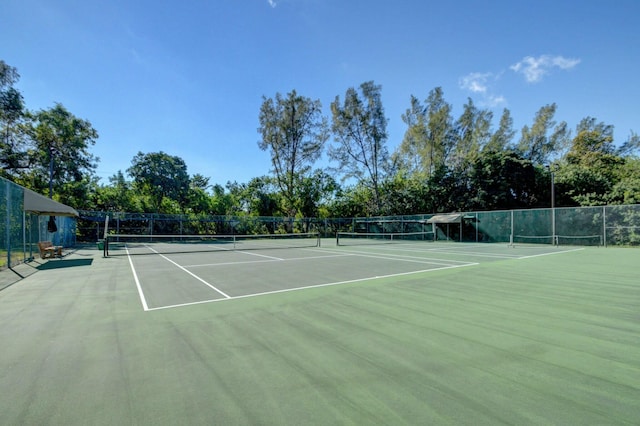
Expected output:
(187, 77)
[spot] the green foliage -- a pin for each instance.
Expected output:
(315, 191)
(472, 132)
(406, 194)
(503, 180)
(503, 137)
(294, 131)
(627, 189)
(118, 196)
(545, 138)
(61, 151)
(580, 185)
(160, 175)
(430, 135)
(441, 165)
(360, 129)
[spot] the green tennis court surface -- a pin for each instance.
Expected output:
(410, 333)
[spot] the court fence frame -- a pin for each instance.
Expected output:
(612, 225)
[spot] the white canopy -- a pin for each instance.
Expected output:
(39, 204)
(446, 218)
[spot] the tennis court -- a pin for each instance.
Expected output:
(409, 332)
(172, 271)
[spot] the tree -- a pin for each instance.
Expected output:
(294, 131)
(503, 180)
(199, 181)
(472, 133)
(222, 203)
(61, 152)
(412, 155)
(12, 142)
(630, 146)
(536, 144)
(360, 128)
(261, 197)
(429, 137)
(159, 176)
(316, 190)
(118, 196)
(591, 167)
(582, 186)
(627, 189)
(502, 138)
(406, 193)
(352, 201)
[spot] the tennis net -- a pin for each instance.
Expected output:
(363, 238)
(533, 239)
(559, 240)
(579, 240)
(130, 244)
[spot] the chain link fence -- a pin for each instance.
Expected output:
(21, 231)
(617, 225)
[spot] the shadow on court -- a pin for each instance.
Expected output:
(64, 263)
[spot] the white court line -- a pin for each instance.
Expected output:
(259, 255)
(404, 258)
(243, 262)
(195, 276)
(180, 267)
(309, 287)
(449, 251)
(135, 277)
(549, 254)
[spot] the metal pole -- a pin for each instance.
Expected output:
(604, 226)
(8, 223)
(553, 208)
(50, 172)
(512, 236)
(24, 235)
(476, 226)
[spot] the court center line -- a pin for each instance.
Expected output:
(193, 275)
(286, 290)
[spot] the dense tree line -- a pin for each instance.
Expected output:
(443, 163)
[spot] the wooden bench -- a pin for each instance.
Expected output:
(48, 250)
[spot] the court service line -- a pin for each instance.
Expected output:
(243, 262)
(286, 290)
(405, 258)
(192, 274)
(448, 251)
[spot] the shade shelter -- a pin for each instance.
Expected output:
(448, 220)
(23, 217)
(39, 204)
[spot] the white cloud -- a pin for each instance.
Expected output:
(493, 101)
(534, 69)
(272, 3)
(480, 83)
(475, 82)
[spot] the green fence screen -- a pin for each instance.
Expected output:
(603, 225)
(20, 231)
